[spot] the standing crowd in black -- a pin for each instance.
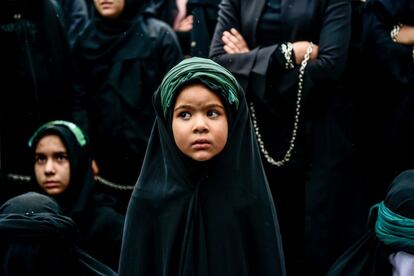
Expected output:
(322, 93)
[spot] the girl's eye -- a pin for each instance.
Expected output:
(40, 159)
(213, 113)
(184, 115)
(61, 157)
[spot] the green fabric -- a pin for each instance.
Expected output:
(77, 132)
(208, 72)
(393, 229)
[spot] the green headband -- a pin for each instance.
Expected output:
(215, 76)
(393, 229)
(76, 131)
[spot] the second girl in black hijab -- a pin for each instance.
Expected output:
(63, 170)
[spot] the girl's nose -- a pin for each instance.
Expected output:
(200, 124)
(49, 166)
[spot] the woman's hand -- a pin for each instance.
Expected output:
(234, 42)
(185, 25)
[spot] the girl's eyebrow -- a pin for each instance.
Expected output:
(188, 106)
(53, 153)
(184, 106)
(215, 105)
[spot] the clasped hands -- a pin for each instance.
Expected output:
(234, 43)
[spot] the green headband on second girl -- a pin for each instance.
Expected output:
(210, 73)
(393, 229)
(76, 131)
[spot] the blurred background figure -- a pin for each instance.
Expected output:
(193, 21)
(387, 248)
(75, 18)
(36, 239)
(205, 14)
(388, 41)
(122, 55)
(290, 57)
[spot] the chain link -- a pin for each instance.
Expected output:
(395, 32)
(113, 185)
(19, 177)
(24, 178)
(288, 154)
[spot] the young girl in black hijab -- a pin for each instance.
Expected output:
(63, 170)
(202, 204)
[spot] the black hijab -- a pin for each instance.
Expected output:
(113, 38)
(100, 225)
(79, 194)
(202, 218)
(369, 256)
(37, 239)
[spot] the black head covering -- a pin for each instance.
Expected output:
(37, 239)
(369, 256)
(400, 195)
(219, 220)
(112, 38)
(36, 18)
(75, 199)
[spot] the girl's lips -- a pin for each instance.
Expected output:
(50, 184)
(201, 144)
(106, 5)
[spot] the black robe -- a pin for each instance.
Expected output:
(202, 218)
(122, 62)
(75, 18)
(205, 13)
(308, 191)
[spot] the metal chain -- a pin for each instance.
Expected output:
(395, 32)
(19, 177)
(288, 153)
(113, 185)
(24, 178)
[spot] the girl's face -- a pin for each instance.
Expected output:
(52, 167)
(199, 123)
(109, 8)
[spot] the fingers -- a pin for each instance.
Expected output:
(189, 19)
(185, 25)
(229, 46)
(238, 38)
(234, 42)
